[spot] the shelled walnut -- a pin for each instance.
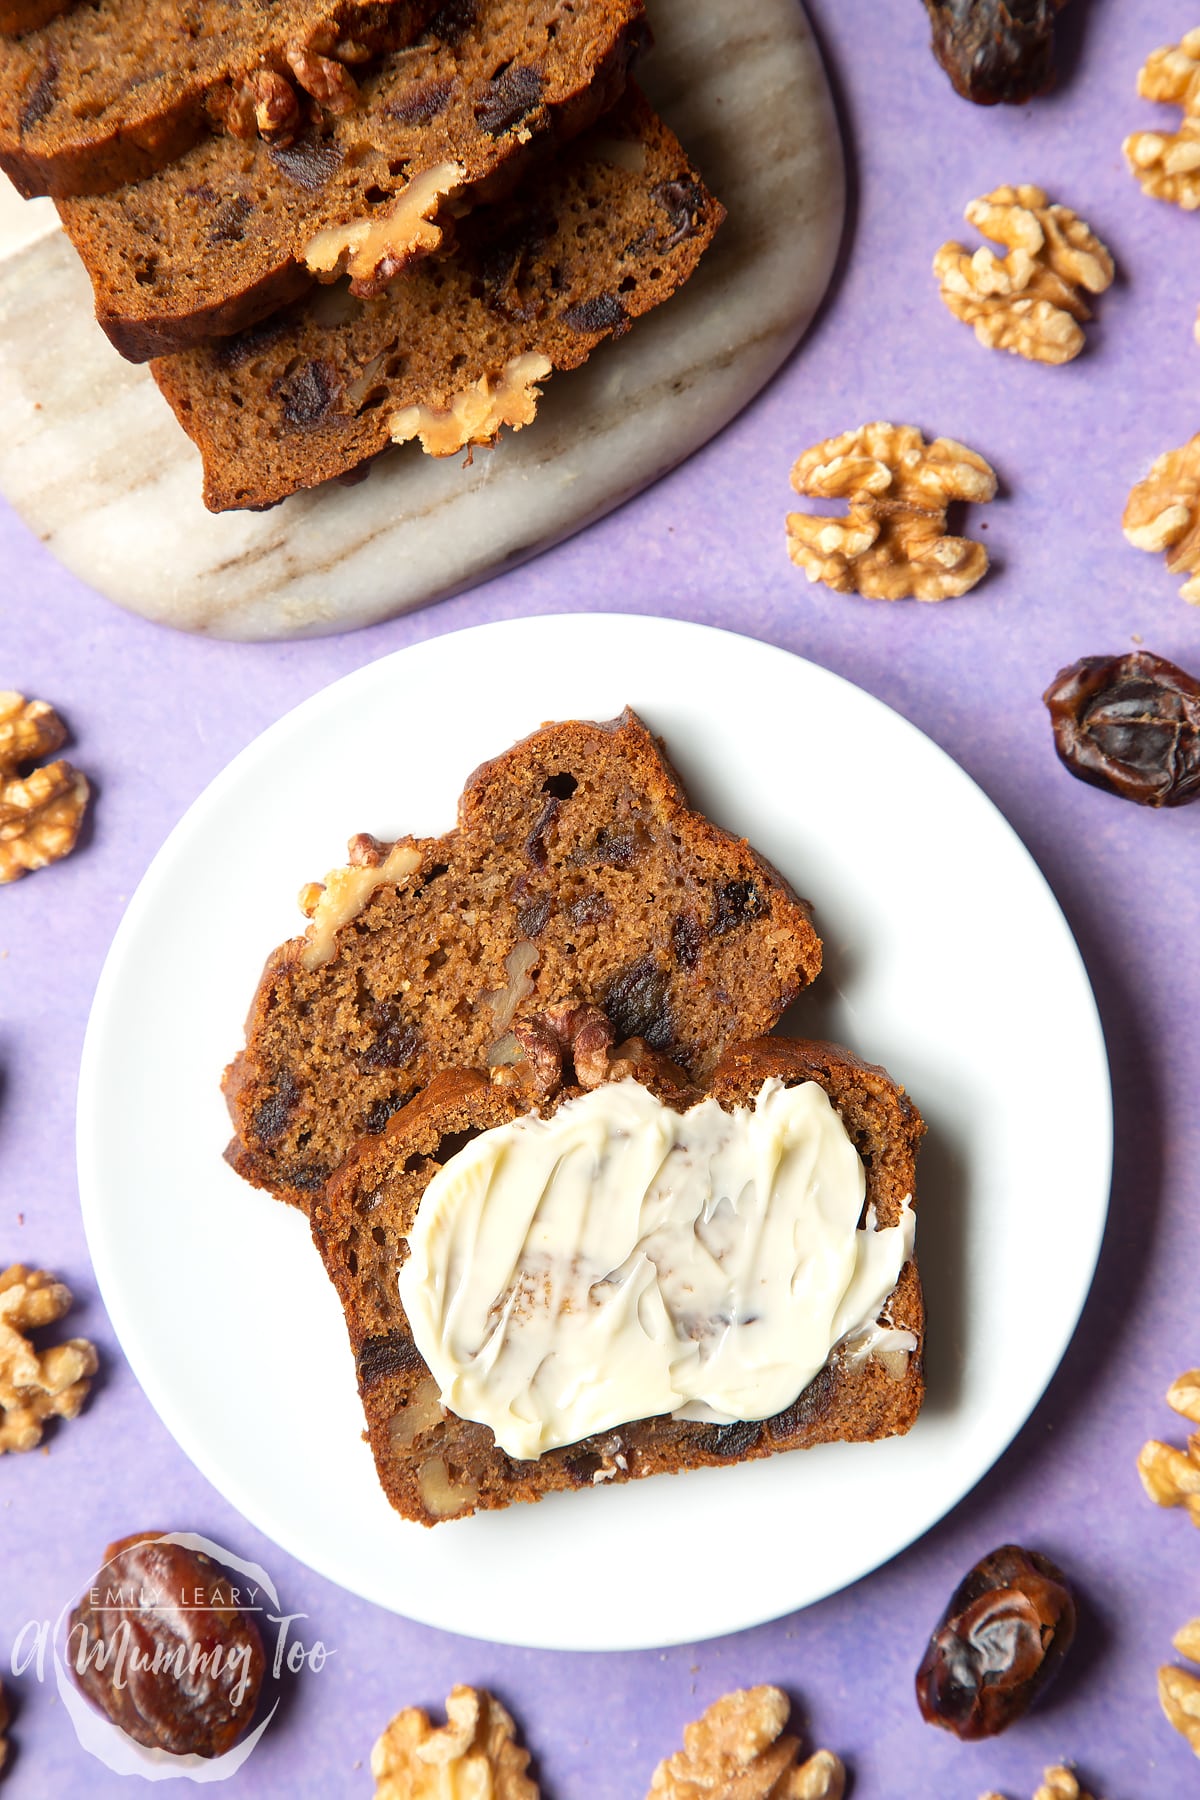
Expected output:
(1028, 301)
(1171, 1477)
(1058, 1783)
(41, 810)
(264, 103)
(1179, 1697)
(276, 110)
(893, 543)
(1179, 1689)
(322, 76)
(738, 1748)
(37, 1385)
(1167, 164)
(575, 1043)
(474, 1753)
(568, 1033)
(1163, 513)
(1183, 1395)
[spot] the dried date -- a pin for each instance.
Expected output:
(161, 1645)
(1130, 725)
(997, 1646)
(995, 50)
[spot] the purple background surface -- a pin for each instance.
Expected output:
(156, 715)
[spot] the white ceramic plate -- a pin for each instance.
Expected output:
(221, 1303)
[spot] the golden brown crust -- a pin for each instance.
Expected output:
(218, 240)
(361, 1227)
(113, 91)
(575, 848)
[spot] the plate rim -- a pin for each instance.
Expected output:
(123, 945)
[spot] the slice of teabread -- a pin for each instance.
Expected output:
(553, 1288)
(456, 348)
(576, 867)
(110, 90)
(233, 230)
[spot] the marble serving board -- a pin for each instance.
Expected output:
(92, 458)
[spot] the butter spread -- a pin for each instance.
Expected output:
(620, 1260)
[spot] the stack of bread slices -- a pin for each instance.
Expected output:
(335, 225)
(581, 927)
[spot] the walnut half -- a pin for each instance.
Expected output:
(1179, 1697)
(1163, 513)
(893, 543)
(566, 1032)
(41, 810)
(1183, 1395)
(36, 1385)
(474, 1753)
(1179, 1689)
(1171, 1477)
(1058, 1783)
(1167, 164)
(738, 1748)
(324, 77)
(1028, 301)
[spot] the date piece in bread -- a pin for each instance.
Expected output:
(455, 349)
(110, 91)
(232, 230)
(576, 868)
(434, 1465)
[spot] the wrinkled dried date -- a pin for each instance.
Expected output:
(160, 1645)
(603, 312)
(999, 1643)
(683, 203)
(422, 104)
(307, 397)
(309, 165)
(395, 1354)
(41, 98)
(995, 50)
(508, 98)
(1130, 725)
(637, 1002)
(272, 1114)
(395, 1040)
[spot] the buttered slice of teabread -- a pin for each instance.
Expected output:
(628, 1275)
